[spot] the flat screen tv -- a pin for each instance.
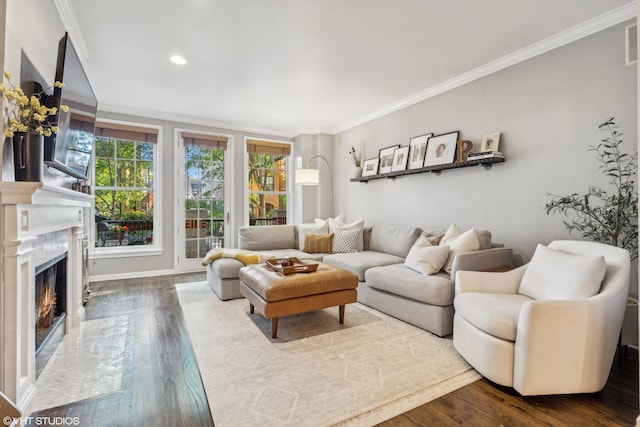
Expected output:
(70, 149)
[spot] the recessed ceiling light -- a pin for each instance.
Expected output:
(177, 59)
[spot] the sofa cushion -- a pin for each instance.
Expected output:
(400, 280)
(318, 243)
(304, 229)
(495, 314)
(345, 241)
(426, 258)
(484, 238)
(267, 237)
(393, 239)
(554, 274)
(226, 268)
(359, 262)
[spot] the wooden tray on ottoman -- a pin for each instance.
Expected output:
(298, 266)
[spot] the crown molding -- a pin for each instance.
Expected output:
(70, 23)
(171, 117)
(587, 28)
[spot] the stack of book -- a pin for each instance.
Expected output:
(485, 155)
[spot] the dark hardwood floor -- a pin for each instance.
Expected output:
(162, 386)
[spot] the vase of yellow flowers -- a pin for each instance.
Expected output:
(29, 120)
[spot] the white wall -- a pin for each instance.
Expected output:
(547, 110)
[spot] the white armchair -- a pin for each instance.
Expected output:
(550, 326)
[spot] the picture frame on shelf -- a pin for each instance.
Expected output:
(490, 142)
(417, 150)
(400, 158)
(370, 167)
(386, 158)
(441, 149)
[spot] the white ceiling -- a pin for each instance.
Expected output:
(294, 66)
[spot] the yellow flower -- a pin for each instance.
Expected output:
(64, 108)
(58, 84)
(27, 113)
(8, 133)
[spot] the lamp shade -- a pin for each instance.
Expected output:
(307, 176)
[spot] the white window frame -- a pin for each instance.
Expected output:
(143, 250)
(245, 179)
(179, 245)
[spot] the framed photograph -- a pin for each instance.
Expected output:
(386, 158)
(370, 167)
(441, 149)
(400, 157)
(490, 142)
(417, 150)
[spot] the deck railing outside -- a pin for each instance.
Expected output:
(124, 232)
(267, 221)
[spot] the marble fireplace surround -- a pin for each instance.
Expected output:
(38, 222)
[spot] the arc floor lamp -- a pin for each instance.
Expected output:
(308, 176)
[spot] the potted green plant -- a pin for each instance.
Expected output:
(606, 216)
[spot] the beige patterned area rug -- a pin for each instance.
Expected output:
(317, 372)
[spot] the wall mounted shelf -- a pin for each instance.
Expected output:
(485, 163)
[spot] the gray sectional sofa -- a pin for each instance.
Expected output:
(386, 283)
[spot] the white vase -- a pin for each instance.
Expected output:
(357, 172)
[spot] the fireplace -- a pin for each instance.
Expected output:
(41, 234)
(50, 308)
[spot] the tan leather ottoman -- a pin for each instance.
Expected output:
(274, 294)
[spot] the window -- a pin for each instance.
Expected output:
(125, 187)
(204, 194)
(268, 190)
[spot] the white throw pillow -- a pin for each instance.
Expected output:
(425, 258)
(304, 229)
(357, 225)
(465, 242)
(554, 274)
(345, 241)
(332, 222)
(452, 232)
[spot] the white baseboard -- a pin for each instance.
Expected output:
(133, 275)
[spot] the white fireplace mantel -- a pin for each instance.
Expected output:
(38, 222)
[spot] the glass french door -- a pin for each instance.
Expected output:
(203, 219)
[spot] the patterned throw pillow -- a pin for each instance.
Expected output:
(345, 241)
(318, 243)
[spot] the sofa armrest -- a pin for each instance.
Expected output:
(507, 282)
(549, 332)
(486, 259)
